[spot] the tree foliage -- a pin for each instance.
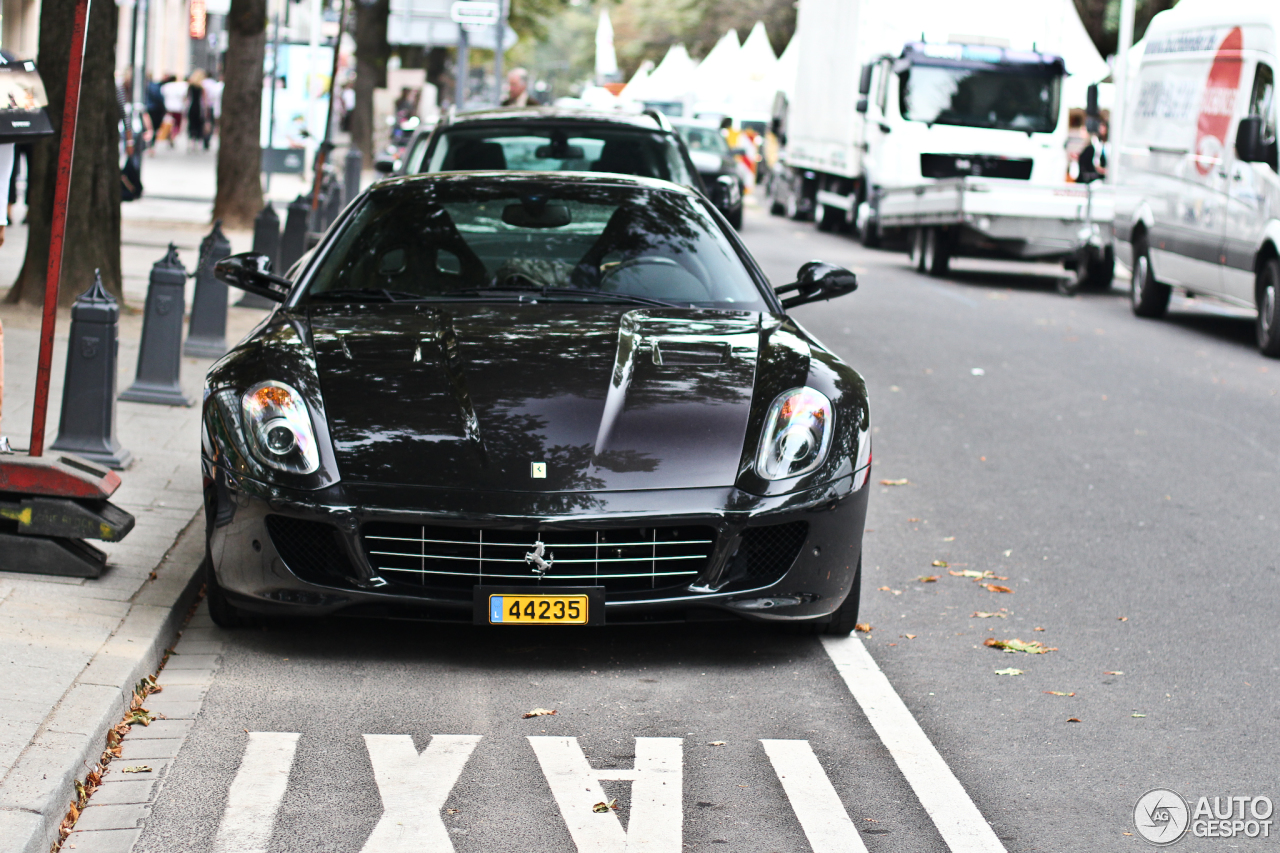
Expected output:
(1101, 19)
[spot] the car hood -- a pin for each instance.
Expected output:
(489, 396)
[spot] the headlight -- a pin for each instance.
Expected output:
(796, 436)
(279, 428)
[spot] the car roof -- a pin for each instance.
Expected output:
(557, 115)
(600, 179)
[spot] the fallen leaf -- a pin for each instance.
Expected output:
(908, 636)
(1128, 833)
(1009, 552)
(995, 587)
(864, 627)
(978, 371)
(1122, 618)
(975, 575)
(137, 768)
(901, 482)
(891, 644)
(1032, 647)
(1058, 693)
(1137, 715)
(948, 538)
(941, 564)
(1073, 719)
(716, 743)
(913, 519)
(927, 578)
(1037, 629)
(888, 589)
(1009, 671)
(1114, 672)
(601, 808)
(871, 819)
(983, 614)
(539, 712)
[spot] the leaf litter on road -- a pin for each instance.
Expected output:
(1008, 671)
(927, 578)
(1033, 647)
(993, 614)
(940, 564)
(1058, 693)
(995, 587)
(863, 627)
(539, 712)
(609, 805)
(903, 482)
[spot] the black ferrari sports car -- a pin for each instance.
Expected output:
(534, 399)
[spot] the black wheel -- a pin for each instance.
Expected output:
(1268, 324)
(871, 236)
(735, 219)
(917, 249)
(1147, 297)
(776, 208)
(844, 619)
(223, 613)
(791, 207)
(936, 255)
(832, 218)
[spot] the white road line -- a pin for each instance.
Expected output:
(958, 820)
(256, 792)
(656, 822)
(813, 798)
(414, 788)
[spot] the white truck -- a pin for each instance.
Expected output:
(955, 147)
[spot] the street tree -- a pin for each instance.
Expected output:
(372, 52)
(239, 195)
(93, 210)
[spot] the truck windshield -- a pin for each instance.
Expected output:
(1005, 99)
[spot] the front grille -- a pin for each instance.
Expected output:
(622, 560)
(765, 554)
(312, 550)
(960, 165)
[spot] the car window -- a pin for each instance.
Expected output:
(1262, 101)
(449, 241)
(568, 149)
(704, 139)
(413, 163)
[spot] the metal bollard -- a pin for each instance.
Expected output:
(160, 357)
(294, 241)
(266, 241)
(332, 204)
(88, 424)
(352, 167)
(207, 334)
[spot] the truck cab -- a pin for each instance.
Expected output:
(952, 110)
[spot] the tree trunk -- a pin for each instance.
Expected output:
(93, 213)
(372, 52)
(239, 196)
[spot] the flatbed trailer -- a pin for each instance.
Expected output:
(1004, 218)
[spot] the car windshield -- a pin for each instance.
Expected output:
(703, 139)
(545, 240)
(572, 148)
(1005, 99)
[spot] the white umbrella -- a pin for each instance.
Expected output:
(606, 56)
(718, 74)
(637, 86)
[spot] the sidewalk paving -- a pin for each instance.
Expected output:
(71, 649)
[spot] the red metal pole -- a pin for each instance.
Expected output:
(66, 149)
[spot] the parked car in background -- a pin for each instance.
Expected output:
(1198, 198)
(552, 139)
(714, 161)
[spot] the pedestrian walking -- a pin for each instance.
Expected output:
(1093, 159)
(153, 99)
(174, 92)
(195, 104)
(213, 106)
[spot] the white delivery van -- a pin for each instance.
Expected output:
(1198, 195)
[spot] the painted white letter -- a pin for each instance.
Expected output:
(256, 792)
(813, 798)
(413, 788)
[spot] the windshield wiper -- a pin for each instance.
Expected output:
(364, 294)
(543, 290)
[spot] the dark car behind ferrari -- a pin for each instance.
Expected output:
(475, 372)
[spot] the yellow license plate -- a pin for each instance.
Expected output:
(538, 610)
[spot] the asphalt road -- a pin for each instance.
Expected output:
(1120, 476)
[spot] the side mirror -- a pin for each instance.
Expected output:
(726, 193)
(1250, 146)
(818, 281)
(864, 81)
(862, 103)
(1091, 102)
(252, 273)
(385, 166)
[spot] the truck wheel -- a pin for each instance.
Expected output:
(735, 219)
(1147, 297)
(917, 249)
(870, 236)
(832, 219)
(1268, 324)
(936, 257)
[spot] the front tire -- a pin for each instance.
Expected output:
(845, 618)
(1147, 297)
(1268, 323)
(223, 613)
(936, 256)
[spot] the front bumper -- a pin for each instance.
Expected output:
(341, 576)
